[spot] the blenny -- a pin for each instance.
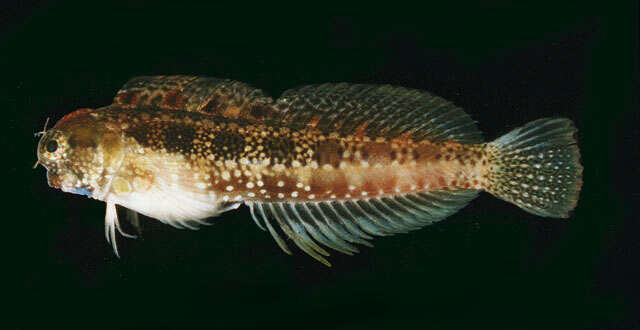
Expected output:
(323, 166)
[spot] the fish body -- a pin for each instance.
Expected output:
(324, 166)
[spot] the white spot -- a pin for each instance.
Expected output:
(352, 187)
(249, 185)
(333, 196)
(280, 195)
(263, 191)
(226, 176)
(225, 198)
(280, 183)
(307, 188)
(201, 185)
(229, 188)
(237, 198)
(251, 194)
(413, 187)
(299, 185)
(260, 183)
(364, 193)
(397, 189)
(347, 196)
(312, 196)
(380, 192)
(294, 194)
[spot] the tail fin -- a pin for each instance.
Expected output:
(537, 167)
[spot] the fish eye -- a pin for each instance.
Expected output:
(52, 146)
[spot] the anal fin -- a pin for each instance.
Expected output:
(339, 224)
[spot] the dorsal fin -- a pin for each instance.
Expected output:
(212, 96)
(377, 111)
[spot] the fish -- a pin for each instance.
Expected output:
(327, 167)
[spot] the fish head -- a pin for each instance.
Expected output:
(81, 154)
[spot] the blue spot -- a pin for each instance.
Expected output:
(81, 191)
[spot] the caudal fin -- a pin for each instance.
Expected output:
(537, 167)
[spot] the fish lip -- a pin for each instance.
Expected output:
(53, 179)
(57, 180)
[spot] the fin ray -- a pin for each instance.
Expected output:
(537, 167)
(383, 111)
(316, 233)
(330, 234)
(339, 224)
(273, 232)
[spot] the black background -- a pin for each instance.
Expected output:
(490, 266)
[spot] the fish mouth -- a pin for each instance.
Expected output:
(67, 182)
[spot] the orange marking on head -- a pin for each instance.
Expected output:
(74, 114)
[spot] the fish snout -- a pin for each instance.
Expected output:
(61, 180)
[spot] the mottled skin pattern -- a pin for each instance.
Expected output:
(213, 96)
(330, 163)
(265, 161)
